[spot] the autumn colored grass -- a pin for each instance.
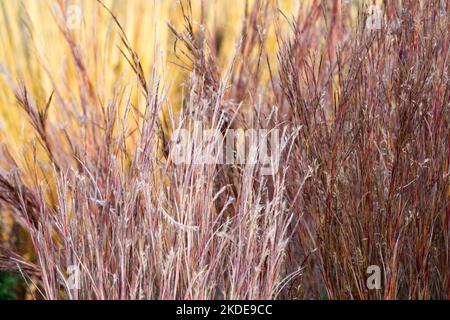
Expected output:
(88, 175)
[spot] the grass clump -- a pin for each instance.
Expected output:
(362, 180)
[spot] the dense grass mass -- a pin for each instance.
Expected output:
(88, 181)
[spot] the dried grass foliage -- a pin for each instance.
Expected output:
(363, 180)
